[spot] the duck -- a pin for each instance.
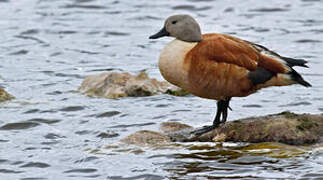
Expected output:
(220, 66)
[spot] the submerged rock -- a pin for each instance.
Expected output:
(4, 96)
(285, 127)
(115, 85)
(168, 127)
(146, 138)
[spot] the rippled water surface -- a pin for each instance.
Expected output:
(47, 47)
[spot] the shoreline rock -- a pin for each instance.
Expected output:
(286, 127)
(115, 85)
(4, 96)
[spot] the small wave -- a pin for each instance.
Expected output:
(108, 114)
(143, 176)
(35, 164)
(19, 125)
(268, 10)
(83, 170)
(191, 8)
(77, 6)
(308, 41)
(116, 33)
(72, 108)
(45, 121)
(304, 103)
(132, 125)
(252, 106)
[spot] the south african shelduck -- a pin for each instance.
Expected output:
(219, 66)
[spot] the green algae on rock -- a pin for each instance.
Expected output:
(116, 85)
(4, 96)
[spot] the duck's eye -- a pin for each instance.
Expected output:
(174, 22)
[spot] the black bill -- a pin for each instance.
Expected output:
(161, 33)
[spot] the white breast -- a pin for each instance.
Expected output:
(171, 62)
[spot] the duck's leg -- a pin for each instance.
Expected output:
(217, 119)
(222, 109)
(225, 107)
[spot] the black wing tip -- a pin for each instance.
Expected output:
(299, 79)
(305, 83)
(304, 65)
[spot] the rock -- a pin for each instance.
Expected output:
(115, 85)
(146, 138)
(221, 137)
(168, 127)
(176, 131)
(4, 96)
(285, 127)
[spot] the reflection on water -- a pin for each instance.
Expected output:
(48, 47)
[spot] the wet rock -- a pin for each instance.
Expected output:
(221, 137)
(285, 127)
(115, 85)
(146, 138)
(4, 96)
(176, 131)
(168, 127)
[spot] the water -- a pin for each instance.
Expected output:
(51, 132)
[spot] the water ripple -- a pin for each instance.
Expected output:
(107, 114)
(191, 8)
(83, 170)
(72, 108)
(132, 125)
(77, 6)
(304, 103)
(308, 41)
(35, 164)
(143, 176)
(19, 125)
(45, 121)
(268, 10)
(8, 171)
(252, 106)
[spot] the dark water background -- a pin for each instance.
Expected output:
(47, 47)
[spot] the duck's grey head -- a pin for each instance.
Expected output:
(182, 27)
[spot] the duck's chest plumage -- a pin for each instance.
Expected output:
(172, 63)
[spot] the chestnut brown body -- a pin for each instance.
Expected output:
(217, 67)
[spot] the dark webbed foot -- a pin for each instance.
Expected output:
(222, 110)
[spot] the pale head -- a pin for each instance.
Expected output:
(182, 27)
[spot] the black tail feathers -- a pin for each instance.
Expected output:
(295, 62)
(295, 75)
(299, 79)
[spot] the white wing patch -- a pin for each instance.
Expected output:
(266, 52)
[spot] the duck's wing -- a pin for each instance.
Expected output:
(259, 63)
(220, 49)
(267, 59)
(267, 52)
(270, 63)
